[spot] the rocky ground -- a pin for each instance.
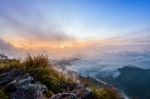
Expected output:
(21, 85)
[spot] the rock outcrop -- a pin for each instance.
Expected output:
(21, 85)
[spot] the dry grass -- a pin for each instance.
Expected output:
(104, 93)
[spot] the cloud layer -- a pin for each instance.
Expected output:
(28, 22)
(7, 48)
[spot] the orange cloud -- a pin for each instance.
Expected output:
(62, 47)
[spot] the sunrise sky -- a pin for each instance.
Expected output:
(72, 24)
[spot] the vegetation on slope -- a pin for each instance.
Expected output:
(104, 93)
(42, 70)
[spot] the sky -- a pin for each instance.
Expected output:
(72, 24)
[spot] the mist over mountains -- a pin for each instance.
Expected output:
(123, 69)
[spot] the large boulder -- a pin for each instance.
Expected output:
(21, 85)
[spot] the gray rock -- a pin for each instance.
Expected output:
(7, 77)
(22, 86)
(29, 91)
(64, 96)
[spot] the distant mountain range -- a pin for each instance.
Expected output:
(133, 81)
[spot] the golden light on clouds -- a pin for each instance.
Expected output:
(50, 45)
(64, 46)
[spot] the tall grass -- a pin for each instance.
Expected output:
(39, 61)
(42, 70)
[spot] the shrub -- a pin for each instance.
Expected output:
(39, 61)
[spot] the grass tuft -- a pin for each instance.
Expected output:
(104, 93)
